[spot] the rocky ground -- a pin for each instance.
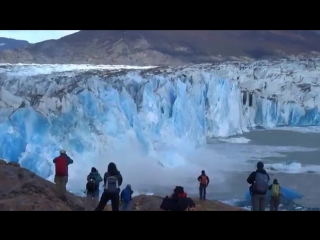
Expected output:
(22, 190)
(152, 203)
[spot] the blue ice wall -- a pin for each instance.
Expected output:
(85, 112)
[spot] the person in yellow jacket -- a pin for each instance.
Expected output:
(275, 195)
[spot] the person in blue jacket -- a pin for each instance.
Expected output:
(126, 198)
(92, 188)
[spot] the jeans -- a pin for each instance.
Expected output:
(126, 206)
(105, 198)
(274, 203)
(258, 202)
(92, 200)
(202, 192)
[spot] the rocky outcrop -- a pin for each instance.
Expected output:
(165, 47)
(22, 190)
(152, 203)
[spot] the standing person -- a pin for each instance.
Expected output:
(92, 188)
(112, 182)
(275, 195)
(259, 181)
(61, 176)
(204, 182)
(126, 198)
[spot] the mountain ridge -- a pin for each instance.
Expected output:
(10, 43)
(166, 47)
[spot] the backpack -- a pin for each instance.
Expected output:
(91, 186)
(112, 184)
(203, 180)
(166, 204)
(275, 190)
(61, 164)
(260, 185)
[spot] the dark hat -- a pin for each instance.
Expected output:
(260, 165)
(178, 190)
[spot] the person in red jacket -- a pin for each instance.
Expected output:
(61, 177)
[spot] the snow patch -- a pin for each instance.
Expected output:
(25, 70)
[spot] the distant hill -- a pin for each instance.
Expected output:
(10, 44)
(166, 47)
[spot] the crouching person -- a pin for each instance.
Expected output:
(178, 201)
(126, 198)
(92, 189)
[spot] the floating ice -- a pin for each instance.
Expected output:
(235, 140)
(309, 129)
(292, 167)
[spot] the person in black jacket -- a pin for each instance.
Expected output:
(259, 184)
(112, 182)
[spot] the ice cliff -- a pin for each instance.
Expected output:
(91, 109)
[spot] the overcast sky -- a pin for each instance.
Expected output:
(34, 36)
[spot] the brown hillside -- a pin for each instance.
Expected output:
(165, 47)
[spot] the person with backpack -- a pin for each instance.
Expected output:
(204, 182)
(92, 188)
(178, 201)
(112, 181)
(259, 184)
(126, 198)
(275, 195)
(61, 172)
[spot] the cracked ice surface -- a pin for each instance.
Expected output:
(164, 112)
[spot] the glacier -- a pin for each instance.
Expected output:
(164, 112)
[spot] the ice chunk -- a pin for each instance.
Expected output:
(235, 140)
